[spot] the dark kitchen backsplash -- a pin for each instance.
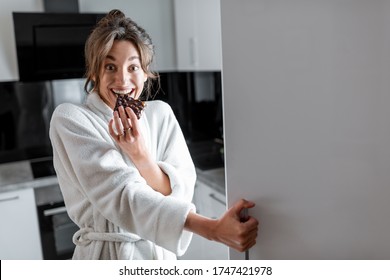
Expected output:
(25, 111)
(196, 99)
(26, 108)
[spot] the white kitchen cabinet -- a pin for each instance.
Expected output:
(209, 203)
(198, 35)
(19, 235)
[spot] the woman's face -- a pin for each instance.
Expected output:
(121, 72)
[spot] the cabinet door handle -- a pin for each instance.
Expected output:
(54, 211)
(217, 199)
(9, 198)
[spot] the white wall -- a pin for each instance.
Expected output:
(306, 88)
(156, 16)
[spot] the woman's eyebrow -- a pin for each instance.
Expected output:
(134, 57)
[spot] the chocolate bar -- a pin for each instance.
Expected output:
(127, 101)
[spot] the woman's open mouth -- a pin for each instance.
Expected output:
(122, 92)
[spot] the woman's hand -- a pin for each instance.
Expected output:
(235, 233)
(131, 141)
(129, 137)
(229, 229)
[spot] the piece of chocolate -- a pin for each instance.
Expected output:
(126, 100)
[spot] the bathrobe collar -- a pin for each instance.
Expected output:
(96, 104)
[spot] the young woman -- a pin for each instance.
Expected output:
(128, 182)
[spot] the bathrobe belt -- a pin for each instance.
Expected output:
(84, 236)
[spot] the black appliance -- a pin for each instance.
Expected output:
(50, 46)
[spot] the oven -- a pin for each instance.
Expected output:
(56, 228)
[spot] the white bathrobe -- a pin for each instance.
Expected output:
(119, 215)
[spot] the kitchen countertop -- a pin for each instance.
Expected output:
(208, 159)
(35, 183)
(18, 175)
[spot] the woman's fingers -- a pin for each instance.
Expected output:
(118, 124)
(110, 129)
(124, 125)
(240, 234)
(242, 204)
(124, 118)
(133, 120)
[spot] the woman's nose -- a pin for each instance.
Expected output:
(123, 76)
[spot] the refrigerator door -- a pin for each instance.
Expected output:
(306, 115)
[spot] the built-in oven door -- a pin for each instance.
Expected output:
(56, 228)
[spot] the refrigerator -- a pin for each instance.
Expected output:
(306, 102)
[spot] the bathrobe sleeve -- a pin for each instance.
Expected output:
(173, 155)
(86, 158)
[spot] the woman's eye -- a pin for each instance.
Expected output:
(134, 68)
(110, 67)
